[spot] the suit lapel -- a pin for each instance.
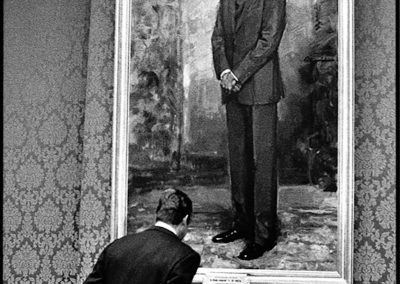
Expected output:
(248, 5)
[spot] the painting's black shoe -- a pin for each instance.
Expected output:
(227, 237)
(253, 250)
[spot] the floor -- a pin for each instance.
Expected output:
(308, 219)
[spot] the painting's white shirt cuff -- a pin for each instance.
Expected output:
(166, 226)
(229, 71)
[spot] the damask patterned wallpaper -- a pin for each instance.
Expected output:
(375, 159)
(57, 139)
(45, 46)
(95, 208)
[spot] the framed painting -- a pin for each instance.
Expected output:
(170, 130)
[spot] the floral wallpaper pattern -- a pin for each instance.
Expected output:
(375, 159)
(57, 139)
(45, 57)
(95, 203)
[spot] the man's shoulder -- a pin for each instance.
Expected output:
(174, 243)
(153, 238)
(150, 236)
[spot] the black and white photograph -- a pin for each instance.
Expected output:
(199, 141)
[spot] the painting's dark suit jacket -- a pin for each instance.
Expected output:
(245, 40)
(247, 43)
(155, 256)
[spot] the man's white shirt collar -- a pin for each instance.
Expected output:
(166, 226)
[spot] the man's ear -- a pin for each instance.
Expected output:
(185, 220)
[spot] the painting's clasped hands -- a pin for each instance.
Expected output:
(229, 82)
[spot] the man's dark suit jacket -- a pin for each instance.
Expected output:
(155, 256)
(249, 47)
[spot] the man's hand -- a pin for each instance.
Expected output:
(236, 87)
(229, 83)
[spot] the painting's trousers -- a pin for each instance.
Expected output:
(253, 170)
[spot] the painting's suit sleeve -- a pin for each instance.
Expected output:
(218, 42)
(272, 27)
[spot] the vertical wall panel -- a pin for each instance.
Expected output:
(44, 88)
(375, 258)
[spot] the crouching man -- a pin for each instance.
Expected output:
(155, 256)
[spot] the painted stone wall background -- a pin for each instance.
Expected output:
(204, 116)
(156, 96)
(295, 45)
(307, 124)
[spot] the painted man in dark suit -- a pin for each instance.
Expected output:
(245, 45)
(155, 256)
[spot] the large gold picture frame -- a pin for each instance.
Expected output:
(345, 180)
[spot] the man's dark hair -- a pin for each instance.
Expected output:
(173, 206)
